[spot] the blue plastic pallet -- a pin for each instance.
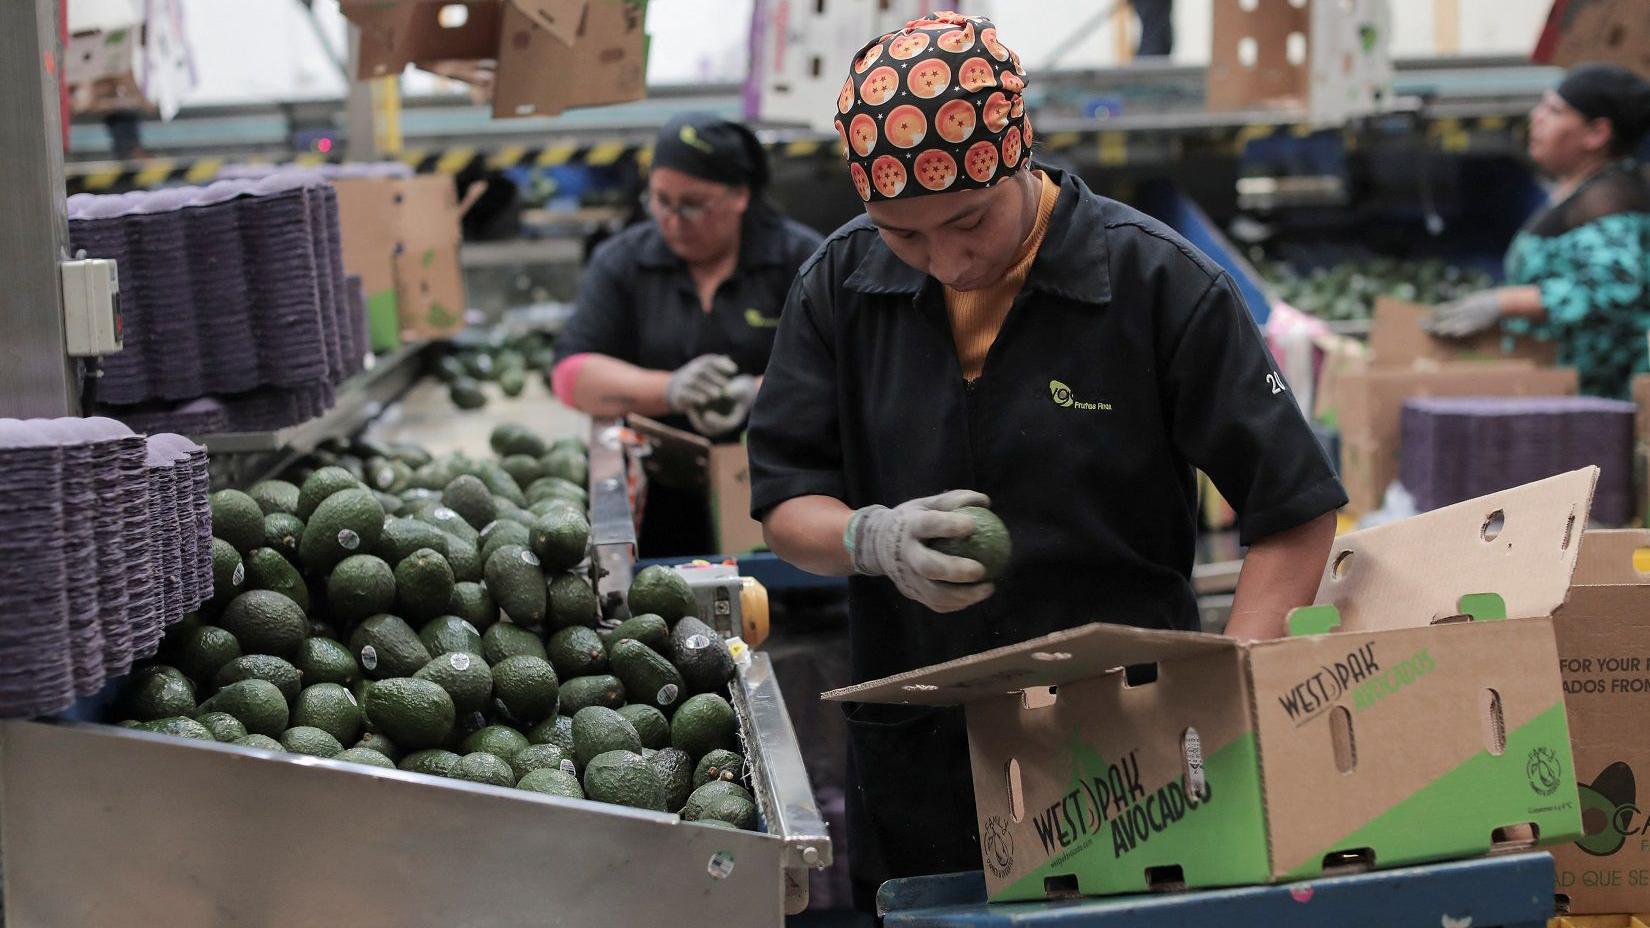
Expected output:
(1509, 892)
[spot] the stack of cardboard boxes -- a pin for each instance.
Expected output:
(1416, 713)
(1363, 394)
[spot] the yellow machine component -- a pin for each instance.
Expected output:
(753, 610)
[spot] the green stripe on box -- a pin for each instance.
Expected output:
(383, 321)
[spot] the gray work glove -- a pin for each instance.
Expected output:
(1466, 317)
(728, 411)
(699, 381)
(889, 543)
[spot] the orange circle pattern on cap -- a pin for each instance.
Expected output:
(933, 108)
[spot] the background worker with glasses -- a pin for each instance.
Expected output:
(676, 316)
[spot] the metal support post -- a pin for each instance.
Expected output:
(36, 375)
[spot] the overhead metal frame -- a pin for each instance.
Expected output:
(37, 378)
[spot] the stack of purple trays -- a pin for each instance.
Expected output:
(105, 539)
(233, 293)
(1460, 448)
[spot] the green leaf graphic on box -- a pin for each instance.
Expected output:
(1483, 607)
(1453, 815)
(1314, 620)
(1219, 842)
(428, 258)
(439, 315)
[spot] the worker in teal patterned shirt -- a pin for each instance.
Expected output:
(1578, 273)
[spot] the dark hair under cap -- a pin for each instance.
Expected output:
(1609, 91)
(712, 148)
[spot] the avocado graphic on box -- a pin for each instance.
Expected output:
(1608, 805)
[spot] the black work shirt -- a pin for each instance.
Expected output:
(1127, 360)
(638, 301)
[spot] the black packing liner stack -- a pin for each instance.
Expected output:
(1460, 448)
(105, 540)
(238, 313)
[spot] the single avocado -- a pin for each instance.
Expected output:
(423, 584)
(661, 591)
(536, 757)
(259, 741)
(597, 730)
(674, 770)
(448, 633)
(719, 765)
(373, 741)
(257, 703)
(481, 767)
(204, 651)
(304, 739)
(552, 783)
(499, 740)
(268, 569)
(701, 655)
(704, 723)
(237, 519)
(265, 622)
(158, 693)
(275, 496)
(361, 585)
(223, 726)
(472, 603)
(512, 381)
(281, 533)
(451, 368)
(178, 727)
(411, 455)
(285, 677)
(393, 506)
(597, 690)
(572, 601)
(414, 714)
(576, 652)
(402, 536)
(506, 639)
(647, 677)
(364, 756)
(527, 688)
(228, 573)
(571, 466)
(433, 761)
(648, 629)
(386, 647)
(517, 585)
(560, 539)
(623, 778)
(465, 558)
(347, 522)
(387, 475)
(557, 730)
(324, 660)
(551, 504)
(650, 724)
(723, 801)
(989, 544)
(331, 708)
(470, 498)
(321, 485)
(546, 488)
(466, 394)
(510, 439)
(466, 677)
(503, 532)
(522, 468)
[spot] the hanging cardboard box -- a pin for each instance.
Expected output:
(1604, 652)
(401, 236)
(1391, 740)
(547, 55)
(1327, 58)
(1616, 31)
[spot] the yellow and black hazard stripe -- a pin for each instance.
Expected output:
(1109, 147)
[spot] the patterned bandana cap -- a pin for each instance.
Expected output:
(934, 108)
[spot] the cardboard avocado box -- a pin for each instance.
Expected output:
(691, 461)
(1604, 652)
(1420, 730)
(401, 236)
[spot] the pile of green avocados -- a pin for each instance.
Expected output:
(394, 609)
(478, 356)
(1346, 291)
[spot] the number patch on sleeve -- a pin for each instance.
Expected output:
(1275, 382)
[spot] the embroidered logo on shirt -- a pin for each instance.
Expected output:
(1063, 397)
(755, 319)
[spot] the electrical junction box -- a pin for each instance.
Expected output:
(91, 307)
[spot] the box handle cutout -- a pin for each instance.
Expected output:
(816, 66)
(1191, 754)
(1139, 675)
(1569, 531)
(1561, 903)
(1459, 618)
(1248, 6)
(1515, 837)
(453, 16)
(1060, 886)
(1016, 790)
(1051, 656)
(1495, 724)
(1294, 48)
(919, 687)
(1039, 697)
(1343, 563)
(1354, 860)
(1248, 51)
(1166, 879)
(1494, 524)
(1342, 739)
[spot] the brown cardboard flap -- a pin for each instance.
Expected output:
(1606, 558)
(1413, 572)
(560, 18)
(674, 457)
(1061, 657)
(1397, 339)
